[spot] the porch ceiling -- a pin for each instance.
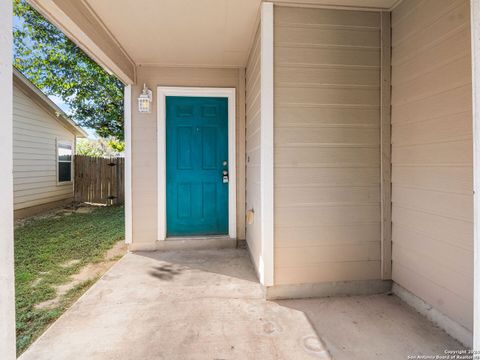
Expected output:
(121, 34)
(172, 32)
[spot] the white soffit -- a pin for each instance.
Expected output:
(181, 32)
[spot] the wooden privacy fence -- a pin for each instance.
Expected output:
(99, 180)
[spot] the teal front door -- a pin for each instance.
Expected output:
(197, 155)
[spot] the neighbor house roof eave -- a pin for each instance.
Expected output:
(48, 104)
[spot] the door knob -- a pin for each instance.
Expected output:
(225, 176)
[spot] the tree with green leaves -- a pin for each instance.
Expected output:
(98, 148)
(58, 67)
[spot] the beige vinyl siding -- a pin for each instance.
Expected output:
(252, 150)
(432, 155)
(327, 145)
(35, 134)
(144, 142)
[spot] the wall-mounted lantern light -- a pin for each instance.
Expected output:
(144, 100)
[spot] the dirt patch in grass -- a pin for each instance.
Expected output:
(88, 273)
(57, 257)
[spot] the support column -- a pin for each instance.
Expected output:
(266, 142)
(7, 280)
(475, 29)
(127, 128)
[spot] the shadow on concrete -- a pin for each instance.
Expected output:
(233, 263)
(371, 327)
(165, 272)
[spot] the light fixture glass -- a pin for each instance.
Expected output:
(144, 100)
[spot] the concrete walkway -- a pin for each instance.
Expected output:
(207, 304)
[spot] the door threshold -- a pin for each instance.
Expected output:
(196, 238)
(197, 243)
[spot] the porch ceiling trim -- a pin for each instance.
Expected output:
(82, 26)
(362, 5)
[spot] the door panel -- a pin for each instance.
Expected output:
(197, 147)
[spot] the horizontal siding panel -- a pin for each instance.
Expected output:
(22, 147)
(420, 15)
(44, 197)
(315, 195)
(28, 122)
(326, 272)
(301, 256)
(35, 162)
(449, 153)
(45, 191)
(444, 129)
(450, 102)
(451, 75)
(418, 37)
(37, 118)
(439, 297)
(27, 174)
(326, 56)
(29, 139)
(321, 36)
(457, 206)
(327, 96)
(311, 16)
(33, 156)
(346, 177)
(318, 116)
(449, 179)
(455, 231)
(38, 183)
(445, 251)
(434, 271)
(38, 178)
(326, 76)
(25, 202)
(337, 157)
(331, 135)
(319, 235)
(437, 55)
(327, 215)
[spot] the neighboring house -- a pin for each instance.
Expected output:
(306, 127)
(43, 148)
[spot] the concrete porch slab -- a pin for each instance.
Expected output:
(207, 304)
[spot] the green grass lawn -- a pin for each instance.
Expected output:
(41, 247)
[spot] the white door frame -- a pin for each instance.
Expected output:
(163, 92)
